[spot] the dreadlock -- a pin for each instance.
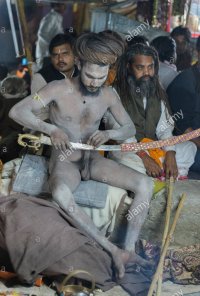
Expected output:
(100, 49)
(121, 81)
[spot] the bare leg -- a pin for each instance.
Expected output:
(65, 177)
(118, 175)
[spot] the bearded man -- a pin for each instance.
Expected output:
(77, 106)
(146, 102)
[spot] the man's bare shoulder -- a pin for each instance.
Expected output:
(58, 83)
(56, 87)
(110, 94)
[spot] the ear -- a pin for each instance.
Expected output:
(78, 63)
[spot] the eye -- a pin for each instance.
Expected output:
(150, 67)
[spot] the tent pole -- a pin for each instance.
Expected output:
(12, 27)
(22, 17)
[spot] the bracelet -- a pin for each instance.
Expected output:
(141, 154)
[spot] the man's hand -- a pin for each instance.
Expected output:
(151, 166)
(170, 165)
(59, 139)
(98, 138)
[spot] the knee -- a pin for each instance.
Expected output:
(145, 184)
(60, 191)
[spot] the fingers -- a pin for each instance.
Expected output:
(121, 272)
(142, 262)
(59, 139)
(90, 140)
(171, 172)
(154, 171)
(97, 139)
(61, 144)
(167, 173)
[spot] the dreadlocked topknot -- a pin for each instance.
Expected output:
(121, 81)
(100, 49)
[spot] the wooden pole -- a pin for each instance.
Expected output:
(188, 13)
(170, 189)
(22, 17)
(162, 258)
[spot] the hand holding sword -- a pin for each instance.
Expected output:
(37, 141)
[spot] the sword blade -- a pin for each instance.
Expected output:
(79, 146)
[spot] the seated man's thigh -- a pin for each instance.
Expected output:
(65, 172)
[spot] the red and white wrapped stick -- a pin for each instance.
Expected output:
(161, 143)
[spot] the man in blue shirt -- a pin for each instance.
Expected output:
(184, 94)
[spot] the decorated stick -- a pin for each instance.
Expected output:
(161, 143)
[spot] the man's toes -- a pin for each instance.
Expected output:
(121, 272)
(142, 262)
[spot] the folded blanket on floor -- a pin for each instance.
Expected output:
(32, 178)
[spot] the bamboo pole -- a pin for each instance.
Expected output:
(12, 25)
(170, 188)
(20, 4)
(162, 258)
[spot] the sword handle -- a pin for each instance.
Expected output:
(35, 141)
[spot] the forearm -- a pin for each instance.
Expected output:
(123, 133)
(27, 119)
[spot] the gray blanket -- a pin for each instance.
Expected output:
(32, 179)
(39, 237)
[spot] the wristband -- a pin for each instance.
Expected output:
(141, 154)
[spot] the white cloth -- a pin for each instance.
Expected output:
(105, 218)
(165, 127)
(50, 26)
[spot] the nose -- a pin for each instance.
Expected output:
(146, 71)
(60, 57)
(94, 83)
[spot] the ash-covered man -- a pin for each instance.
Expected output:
(146, 102)
(76, 108)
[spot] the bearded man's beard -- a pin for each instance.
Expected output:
(143, 87)
(85, 92)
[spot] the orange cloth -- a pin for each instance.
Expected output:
(111, 77)
(157, 154)
(21, 74)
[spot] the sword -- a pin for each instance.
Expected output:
(36, 141)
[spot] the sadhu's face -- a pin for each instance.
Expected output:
(93, 76)
(142, 67)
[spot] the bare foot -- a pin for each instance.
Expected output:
(123, 258)
(119, 259)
